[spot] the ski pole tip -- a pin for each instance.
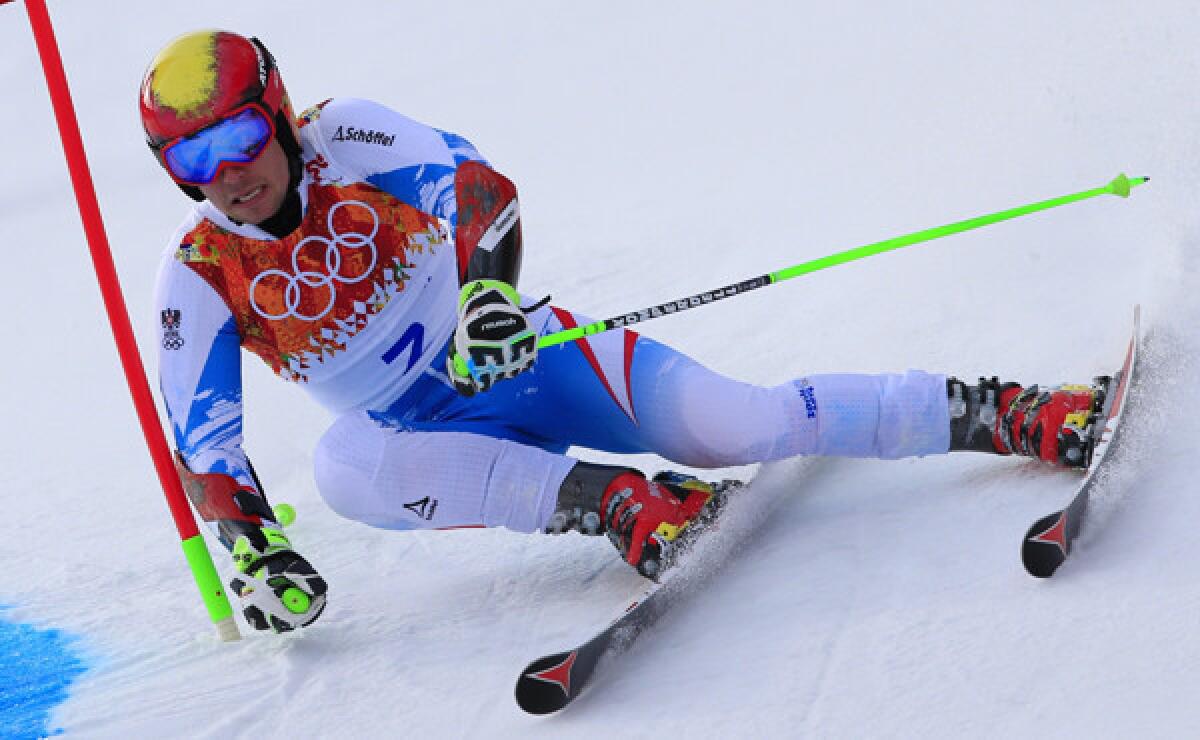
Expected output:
(227, 630)
(1121, 185)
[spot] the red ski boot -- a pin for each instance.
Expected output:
(645, 519)
(649, 521)
(1054, 425)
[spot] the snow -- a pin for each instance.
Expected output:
(663, 149)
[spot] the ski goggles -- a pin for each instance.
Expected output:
(238, 138)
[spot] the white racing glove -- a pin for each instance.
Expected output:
(493, 339)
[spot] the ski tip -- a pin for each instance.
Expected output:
(545, 686)
(1046, 545)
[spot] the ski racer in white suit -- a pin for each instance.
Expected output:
(372, 260)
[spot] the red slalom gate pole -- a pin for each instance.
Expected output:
(198, 557)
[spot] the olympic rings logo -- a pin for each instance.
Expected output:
(333, 265)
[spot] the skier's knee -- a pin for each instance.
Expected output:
(341, 485)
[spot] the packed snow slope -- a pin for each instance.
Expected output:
(662, 149)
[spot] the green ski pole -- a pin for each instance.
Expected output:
(1119, 185)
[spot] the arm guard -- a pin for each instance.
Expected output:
(488, 235)
(224, 503)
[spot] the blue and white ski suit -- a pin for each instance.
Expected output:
(357, 307)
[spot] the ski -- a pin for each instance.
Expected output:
(1048, 542)
(553, 681)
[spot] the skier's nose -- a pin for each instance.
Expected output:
(233, 174)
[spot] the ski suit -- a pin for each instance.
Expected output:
(357, 306)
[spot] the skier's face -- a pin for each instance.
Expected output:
(251, 193)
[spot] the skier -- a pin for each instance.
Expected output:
(373, 261)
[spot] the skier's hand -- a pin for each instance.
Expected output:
(278, 589)
(493, 339)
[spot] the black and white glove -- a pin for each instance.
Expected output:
(493, 339)
(278, 589)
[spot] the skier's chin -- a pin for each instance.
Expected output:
(255, 210)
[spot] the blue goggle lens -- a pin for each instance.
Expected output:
(238, 139)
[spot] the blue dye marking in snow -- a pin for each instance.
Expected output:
(36, 666)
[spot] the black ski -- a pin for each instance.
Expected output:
(552, 682)
(1048, 542)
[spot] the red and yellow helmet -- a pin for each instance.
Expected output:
(203, 76)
